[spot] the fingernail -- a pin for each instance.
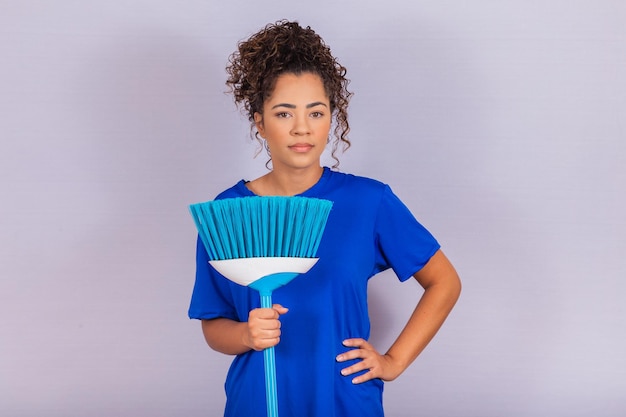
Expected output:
(344, 372)
(339, 358)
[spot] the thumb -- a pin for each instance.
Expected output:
(280, 309)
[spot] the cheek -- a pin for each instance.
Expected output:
(325, 128)
(267, 131)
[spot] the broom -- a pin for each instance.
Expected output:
(262, 243)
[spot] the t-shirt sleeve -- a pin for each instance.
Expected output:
(211, 297)
(402, 243)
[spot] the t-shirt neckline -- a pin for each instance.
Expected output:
(315, 190)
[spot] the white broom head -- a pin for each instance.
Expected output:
(245, 271)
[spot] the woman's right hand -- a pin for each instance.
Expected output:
(263, 330)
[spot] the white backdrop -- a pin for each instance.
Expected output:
(501, 124)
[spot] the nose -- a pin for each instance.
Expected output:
(300, 125)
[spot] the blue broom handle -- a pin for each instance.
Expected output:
(270, 369)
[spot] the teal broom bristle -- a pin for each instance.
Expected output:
(261, 226)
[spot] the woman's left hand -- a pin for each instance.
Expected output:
(378, 366)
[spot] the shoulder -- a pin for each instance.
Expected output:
(355, 193)
(237, 190)
(366, 193)
(358, 183)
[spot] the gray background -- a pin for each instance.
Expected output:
(501, 124)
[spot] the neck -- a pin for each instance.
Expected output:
(288, 183)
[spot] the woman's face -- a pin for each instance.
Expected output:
(296, 121)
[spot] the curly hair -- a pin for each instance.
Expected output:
(286, 47)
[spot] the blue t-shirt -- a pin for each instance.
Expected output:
(368, 231)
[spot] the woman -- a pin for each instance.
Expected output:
(292, 89)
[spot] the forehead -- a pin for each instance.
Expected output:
(298, 87)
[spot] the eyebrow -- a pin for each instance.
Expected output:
(293, 106)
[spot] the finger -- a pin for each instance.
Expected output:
(269, 335)
(263, 330)
(260, 344)
(360, 347)
(357, 343)
(353, 369)
(264, 313)
(351, 354)
(364, 378)
(263, 338)
(264, 323)
(280, 309)
(369, 363)
(372, 371)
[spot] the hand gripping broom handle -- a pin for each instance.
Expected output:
(265, 286)
(270, 367)
(246, 271)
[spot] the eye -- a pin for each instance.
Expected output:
(317, 114)
(282, 115)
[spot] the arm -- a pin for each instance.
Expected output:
(441, 290)
(262, 330)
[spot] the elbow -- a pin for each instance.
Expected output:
(448, 286)
(208, 332)
(456, 288)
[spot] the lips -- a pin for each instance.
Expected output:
(301, 147)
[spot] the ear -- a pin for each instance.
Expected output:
(258, 122)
